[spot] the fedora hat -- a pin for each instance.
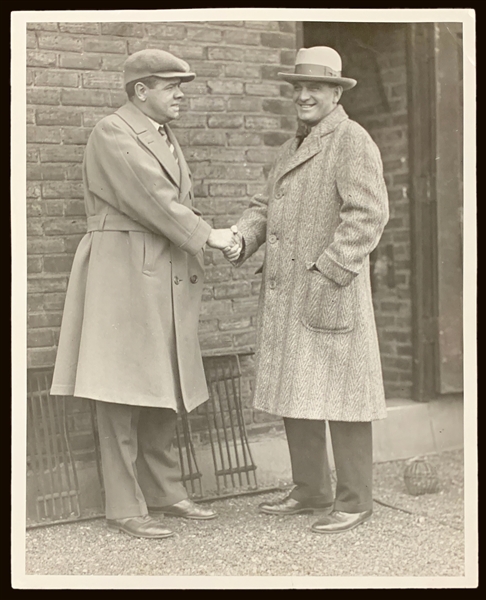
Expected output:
(158, 63)
(319, 63)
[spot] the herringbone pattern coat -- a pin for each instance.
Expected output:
(323, 211)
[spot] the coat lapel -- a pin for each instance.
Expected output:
(185, 177)
(151, 139)
(312, 144)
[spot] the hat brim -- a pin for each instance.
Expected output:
(165, 75)
(345, 82)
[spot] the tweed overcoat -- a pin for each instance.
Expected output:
(323, 211)
(129, 329)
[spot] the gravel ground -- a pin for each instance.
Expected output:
(241, 541)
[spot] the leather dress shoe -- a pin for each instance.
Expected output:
(290, 506)
(338, 521)
(144, 527)
(187, 509)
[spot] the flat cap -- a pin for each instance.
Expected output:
(159, 63)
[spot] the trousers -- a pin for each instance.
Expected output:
(353, 459)
(138, 459)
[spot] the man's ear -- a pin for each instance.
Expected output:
(140, 91)
(338, 90)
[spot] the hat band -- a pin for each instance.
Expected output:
(318, 70)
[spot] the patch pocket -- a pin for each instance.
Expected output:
(329, 306)
(148, 254)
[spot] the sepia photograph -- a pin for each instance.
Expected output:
(244, 299)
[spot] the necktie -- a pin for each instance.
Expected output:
(163, 133)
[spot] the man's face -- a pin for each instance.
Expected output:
(162, 103)
(314, 100)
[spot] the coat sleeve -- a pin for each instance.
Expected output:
(121, 172)
(364, 207)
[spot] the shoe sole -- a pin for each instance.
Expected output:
(187, 517)
(341, 530)
(301, 511)
(116, 529)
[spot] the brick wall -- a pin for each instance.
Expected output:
(375, 55)
(234, 116)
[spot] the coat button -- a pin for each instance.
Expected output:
(272, 238)
(193, 278)
(279, 194)
(176, 280)
(272, 284)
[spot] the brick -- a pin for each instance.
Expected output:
(75, 135)
(104, 46)
(113, 62)
(287, 58)
(117, 99)
(54, 301)
(254, 188)
(87, 28)
(43, 96)
(34, 208)
(103, 80)
(43, 135)
(57, 116)
(62, 189)
(53, 171)
(287, 26)
(227, 189)
(84, 61)
(245, 339)
(188, 51)
(244, 139)
(275, 138)
(41, 59)
(262, 123)
(286, 91)
(31, 40)
(40, 338)
(43, 26)
(74, 172)
(34, 264)
(225, 54)
(54, 208)
(218, 274)
(32, 154)
(58, 264)
(288, 123)
(84, 98)
(207, 104)
(244, 105)
(261, 155)
(56, 79)
(41, 357)
(207, 138)
(244, 172)
(162, 31)
(208, 325)
(204, 68)
(227, 154)
(265, 25)
(228, 23)
(278, 106)
(66, 43)
(242, 37)
(195, 88)
(30, 115)
(190, 120)
(33, 190)
(44, 320)
(225, 121)
(64, 226)
(262, 89)
(262, 55)
(123, 29)
(271, 72)
(242, 71)
(46, 284)
(218, 86)
(61, 154)
(44, 245)
(278, 40)
(203, 34)
(215, 341)
(72, 242)
(208, 171)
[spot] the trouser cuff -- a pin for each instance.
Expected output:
(353, 508)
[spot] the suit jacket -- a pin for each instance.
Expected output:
(129, 329)
(321, 214)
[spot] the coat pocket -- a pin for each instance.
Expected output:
(329, 306)
(148, 253)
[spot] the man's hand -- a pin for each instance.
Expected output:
(232, 253)
(221, 239)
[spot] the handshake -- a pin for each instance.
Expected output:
(229, 241)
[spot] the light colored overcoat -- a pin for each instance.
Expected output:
(129, 329)
(323, 211)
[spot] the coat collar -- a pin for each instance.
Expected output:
(149, 137)
(312, 144)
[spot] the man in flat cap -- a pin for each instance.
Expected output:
(321, 214)
(129, 332)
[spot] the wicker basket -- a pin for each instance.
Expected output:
(420, 477)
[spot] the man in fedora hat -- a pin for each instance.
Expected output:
(129, 332)
(321, 214)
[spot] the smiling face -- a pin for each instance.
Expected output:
(314, 100)
(162, 102)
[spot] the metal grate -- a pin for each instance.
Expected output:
(49, 458)
(233, 463)
(52, 467)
